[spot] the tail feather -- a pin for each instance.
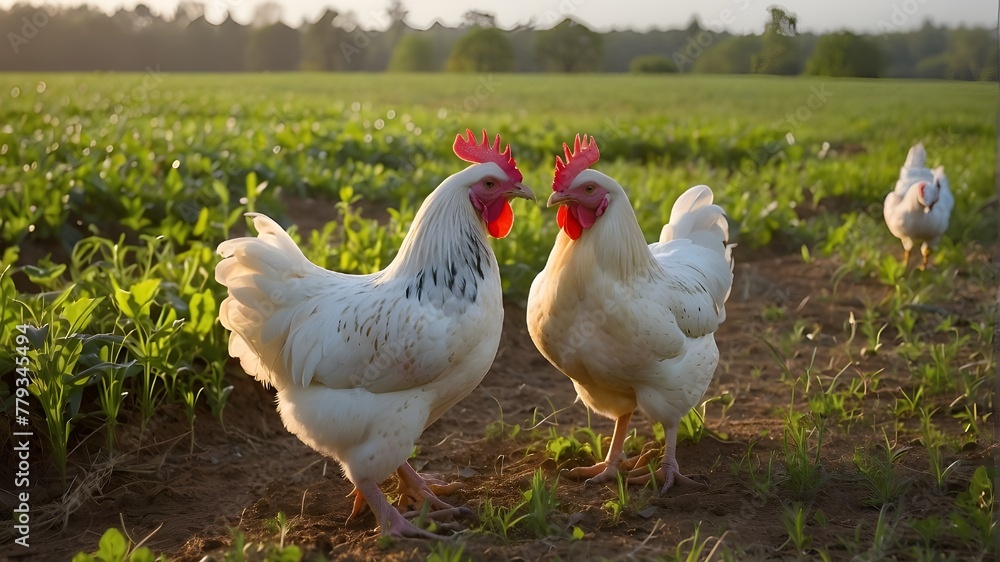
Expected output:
(694, 217)
(260, 307)
(916, 157)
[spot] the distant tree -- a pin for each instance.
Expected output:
(482, 49)
(972, 54)
(732, 55)
(199, 37)
(231, 45)
(413, 53)
(275, 47)
(476, 18)
(186, 12)
(652, 64)
(396, 12)
(321, 43)
(931, 67)
(569, 47)
(846, 54)
(777, 53)
(266, 13)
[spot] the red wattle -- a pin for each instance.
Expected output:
(568, 222)
(500, 227)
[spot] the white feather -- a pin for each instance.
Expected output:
(633, 324)
(912, 219)
(363, 363)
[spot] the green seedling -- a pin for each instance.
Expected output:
(877, 465)
(794, 518)
(974, 518)
(445, 551)
(541, 504)
(114, 547)
(500, 520)
(279, 525)
(621, 502)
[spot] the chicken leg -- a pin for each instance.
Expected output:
(608, 468)
(414, 489)
(391, 522)
(616, 461)
(669, 470)
(925, 251)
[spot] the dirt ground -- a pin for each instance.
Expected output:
(182, 497)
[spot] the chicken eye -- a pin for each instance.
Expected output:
(489, 184)
(589, 189)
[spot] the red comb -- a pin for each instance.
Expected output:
(479, 153)
(585, 154)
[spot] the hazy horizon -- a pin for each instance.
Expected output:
(739, 16)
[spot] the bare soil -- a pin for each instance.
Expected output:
(182, 493)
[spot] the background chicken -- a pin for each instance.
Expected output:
(918, 208)
(632, 324)
(364, 363)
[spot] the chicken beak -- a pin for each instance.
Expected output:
(522, 191)
(558, 198)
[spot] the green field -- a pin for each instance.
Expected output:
(115, 190)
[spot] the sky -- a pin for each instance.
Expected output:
(738, 16)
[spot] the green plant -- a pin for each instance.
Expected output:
(498, 430)
(114, 547)
(280, 526)
(877, 466)
(541, 504)
(621, 501)
(695, 546)
(794, 518)
(763, 480)
(907, 405)
(803, 466)
(443, 551)
(242, 550)
(562, 447)
(499, 520)
(974, 518)
(54, 344)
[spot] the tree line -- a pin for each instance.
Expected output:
(83, 38)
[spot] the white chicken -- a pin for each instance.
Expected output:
(363, 364)
(631, 324)
(919, 207)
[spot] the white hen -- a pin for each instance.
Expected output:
(364, 363)
(631, 324)
(917, 210)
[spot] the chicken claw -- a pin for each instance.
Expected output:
(391, 522)
(414, 489)
(608, 471)
(669, 470)
(360, 505)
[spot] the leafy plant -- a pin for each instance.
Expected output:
(541, 504)
(114, 547)
(877, 466)
(794, 518)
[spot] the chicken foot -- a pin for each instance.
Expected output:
(669, 470)
(925, 252)
(635, 469)
(615, 461)
(414, 490)
(391, 522)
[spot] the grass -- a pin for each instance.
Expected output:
(111, 207)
